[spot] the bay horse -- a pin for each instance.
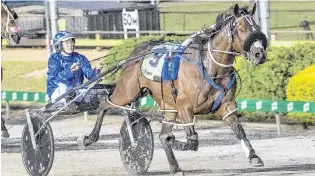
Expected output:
(11, 33)
(205, 84)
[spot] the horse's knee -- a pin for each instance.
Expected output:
(236, 127)
(227, 110)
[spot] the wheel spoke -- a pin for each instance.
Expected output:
(43, 159)
(35, 161)
(44, 144)
(30, 149)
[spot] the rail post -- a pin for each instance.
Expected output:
(278, 125)
(85, 116)
(7, 109)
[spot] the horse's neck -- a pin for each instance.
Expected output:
(218, 42)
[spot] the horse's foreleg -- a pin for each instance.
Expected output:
(167, 139)
(237, 128)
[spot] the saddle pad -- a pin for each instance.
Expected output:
(152, 64)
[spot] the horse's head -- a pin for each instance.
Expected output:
(243, 33)
(9, 29)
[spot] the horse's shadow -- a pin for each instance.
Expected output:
(300, 167)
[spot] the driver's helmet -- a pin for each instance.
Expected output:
(60, 37)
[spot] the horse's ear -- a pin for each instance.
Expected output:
(253, 10)
(15, 16)
(236, 9)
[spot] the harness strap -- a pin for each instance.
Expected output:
(218, 101)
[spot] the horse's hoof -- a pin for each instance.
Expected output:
(179, 174)
(81, 142)
(256, 161)
(176, 170)
(5, 133)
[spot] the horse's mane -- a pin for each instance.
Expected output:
(221, 19)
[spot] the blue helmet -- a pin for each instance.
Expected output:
(60, 37)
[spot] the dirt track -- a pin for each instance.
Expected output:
(41, 55)
(219, 154)
(208, 161)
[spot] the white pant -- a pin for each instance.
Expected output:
(62, 88)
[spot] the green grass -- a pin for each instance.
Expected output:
(195, 22)
(14, 76)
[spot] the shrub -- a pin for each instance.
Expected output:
(269, 80)
(301, 87)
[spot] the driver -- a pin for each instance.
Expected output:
(67, 68)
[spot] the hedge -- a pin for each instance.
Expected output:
(269, 80)
(301, 87)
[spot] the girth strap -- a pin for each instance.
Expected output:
(218, 101)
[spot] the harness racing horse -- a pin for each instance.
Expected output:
(206, 82)
(9, 31)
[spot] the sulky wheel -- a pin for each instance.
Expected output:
(136, 159)
(38, 161)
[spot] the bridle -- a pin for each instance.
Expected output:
(231, 22)
(10, 18)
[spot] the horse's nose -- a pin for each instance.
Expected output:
(259, 55)
(258, 52)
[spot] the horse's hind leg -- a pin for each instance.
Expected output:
(4, 131)
(94, 135)
(127, 89)
(167, 138)
(237, 128)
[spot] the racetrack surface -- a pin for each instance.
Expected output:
(220, 153)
